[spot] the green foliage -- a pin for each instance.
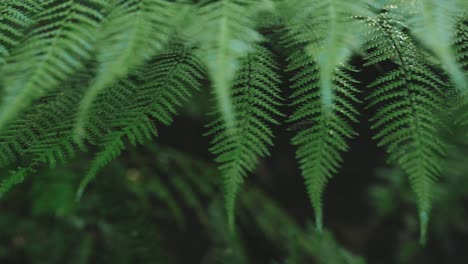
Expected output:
(99, 76)
(225, 33)
(323, 136)
(56, 46)
(329, 34)
(255, 101)
(409, 99)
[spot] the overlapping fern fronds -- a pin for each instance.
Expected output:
(127, 112)
(225, 32)
(133, 106)
(408, 100)
(134, 32)
(256, 98)
(15, 18)
(329, 34)
(107, 72)
(434, 22)
(57, 45)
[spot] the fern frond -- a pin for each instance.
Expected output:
(329, 34)
(55, 49)
(256, 98)
(225, 33)
(325, 127)
(14, 178)
(131, 106)
(134, 32)
(408, 100)
(434, 24)
(15, 17)
(43, 123)
(113, 146)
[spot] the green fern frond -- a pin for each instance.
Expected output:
(225, 33)
(256, 98)
(14, 178)
(15, 17)
(408, 100)
(56, 47)
(434, 24)
(325, 128)
(329, 34)
(113, 146)
(43, 123)
(134, 32)
(131, 106)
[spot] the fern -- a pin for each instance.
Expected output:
(434, 23)
(408, 100)
(100, 76)
(134, 32)
(163, 87)
(325, 130)
(255, 102)
(328, 33)
(15, 17)
(55, 48)
(225, 33)
(125, 113)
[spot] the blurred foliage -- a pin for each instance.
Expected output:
(137, 212)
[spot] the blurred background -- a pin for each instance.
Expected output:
(162, 203)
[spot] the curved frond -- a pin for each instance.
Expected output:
(256, 98)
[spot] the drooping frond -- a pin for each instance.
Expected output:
(323, 129)
(131, 107)
(407, 99)
(55, 48)
(134, 32)
(434, 24)
(225, 32)
(256, 98)
(329, 34)
(15, 17)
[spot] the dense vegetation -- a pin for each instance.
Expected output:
(90, 83)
